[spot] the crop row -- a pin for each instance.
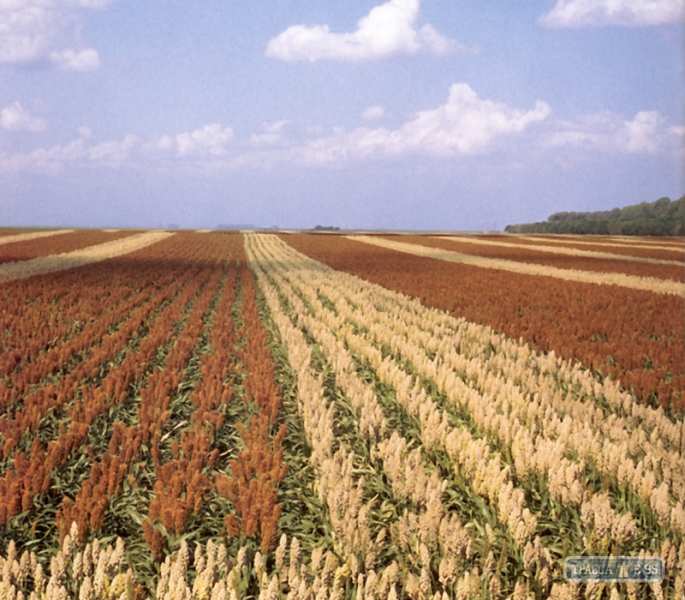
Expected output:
(127, 442)
(333, 437)
(562, 258)
(427, 456)
(580, 483)
(9, 236)
(83, 396)
(635, 336)
(30, 386)
(660, 250)
(53, 320)
(652, 284)
(174, 433)
(55, 244)
(77, 258)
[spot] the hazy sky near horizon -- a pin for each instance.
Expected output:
(408, 114)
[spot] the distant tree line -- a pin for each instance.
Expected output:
(661, 217)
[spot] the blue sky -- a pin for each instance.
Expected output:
(408, 114)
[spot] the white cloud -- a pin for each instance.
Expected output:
(26, 28)
(166, 143)
(465, 124)
(29, 30)
(387, 30)
(16, 118)
(643, 133)
(114, 153)
(211, 139)
(373, 112)
(647, 132)
(206, 146)
(271, 134)
(70, 60)
(597, 13)
(77, 152)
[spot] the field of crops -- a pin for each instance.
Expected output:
(223, 415)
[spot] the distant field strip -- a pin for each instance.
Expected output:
(619, 243)
(69, 260)
(25, 250)
(658, 286)
(522, 253)
(22, 237)
(625, 239)
(567, 250)
(580, 243)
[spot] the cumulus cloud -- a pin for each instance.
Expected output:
(70, 60)
(29, 30)
(373, 112)
(111, 153)
(647, 132)
(16, 118)
(464, 125)
(25, 30)
(78, 152)
(387, 30)
(114, 153)
(271, 134)
(597, 13)
(211, 139)
(205, 145)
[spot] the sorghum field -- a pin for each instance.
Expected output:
(224, 415)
